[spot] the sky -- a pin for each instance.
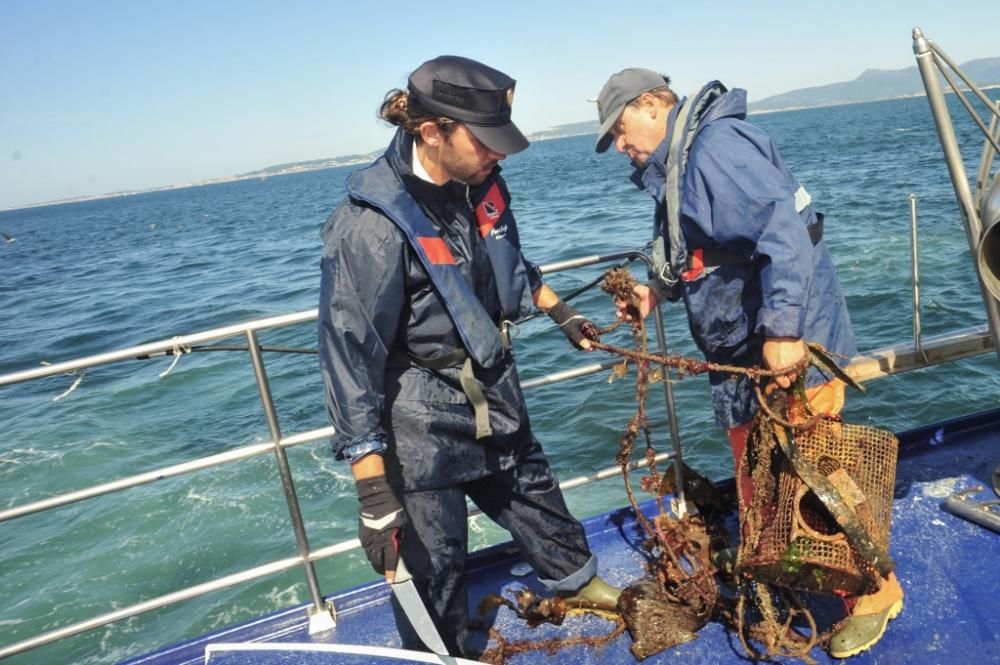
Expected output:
(100, 96)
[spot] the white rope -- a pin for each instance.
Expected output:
(72, 387)
(178, 351)
(79, 379)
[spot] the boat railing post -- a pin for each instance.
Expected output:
(668, 392)
(926, 63)
(915, 278)
(675, 436)
(322, 615)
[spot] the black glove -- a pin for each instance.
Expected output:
(574, 326)
(380, 522)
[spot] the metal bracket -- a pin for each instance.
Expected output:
(321, 620)
(977, 512)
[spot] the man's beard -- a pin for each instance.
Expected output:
(463, 170)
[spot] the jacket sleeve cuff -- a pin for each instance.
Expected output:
(354, 450)
(535, 280)
(784, 322)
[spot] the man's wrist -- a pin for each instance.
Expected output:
(369, 466)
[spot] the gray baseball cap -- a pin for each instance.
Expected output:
(620, 89)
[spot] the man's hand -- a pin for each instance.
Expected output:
(784, 352)
(646, 303)
(381, 520)
(577, 329)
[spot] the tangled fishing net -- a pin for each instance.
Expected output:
(816, 522)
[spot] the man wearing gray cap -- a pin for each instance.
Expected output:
(736, 237)
(422, 274)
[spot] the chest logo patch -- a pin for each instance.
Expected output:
(489, 210)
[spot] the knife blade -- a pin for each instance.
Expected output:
(413, 606)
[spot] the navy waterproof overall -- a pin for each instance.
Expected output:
(417, 279)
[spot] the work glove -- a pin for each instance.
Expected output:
(381, 520)
(573, 324)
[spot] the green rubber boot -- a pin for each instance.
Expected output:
(596, 591)
(861, 632)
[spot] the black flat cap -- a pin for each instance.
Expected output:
(472, 93)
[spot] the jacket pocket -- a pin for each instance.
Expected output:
(716, 309)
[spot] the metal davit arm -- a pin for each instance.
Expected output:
(926, 53)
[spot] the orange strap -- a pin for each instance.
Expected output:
(697, 262)
(437, 251)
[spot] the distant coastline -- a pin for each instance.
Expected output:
(550, 133)
(260, 174)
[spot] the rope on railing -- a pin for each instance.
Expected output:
(178, 350)
(79, 378)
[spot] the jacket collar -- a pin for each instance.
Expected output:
(652, 177)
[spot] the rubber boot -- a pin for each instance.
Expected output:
(868, 620)
(595, 591)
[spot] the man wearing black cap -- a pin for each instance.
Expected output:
(422, 274)
(736, 238)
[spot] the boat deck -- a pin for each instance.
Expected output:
(947, 565)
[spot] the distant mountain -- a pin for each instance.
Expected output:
(872, 85)
(312, 165)
(560, 131)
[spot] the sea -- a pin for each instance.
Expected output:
(95, 276)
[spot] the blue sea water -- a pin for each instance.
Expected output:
(89, 277)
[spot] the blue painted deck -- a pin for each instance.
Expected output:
(948, 568)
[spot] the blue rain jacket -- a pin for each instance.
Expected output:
(738, 196)
(403, 279)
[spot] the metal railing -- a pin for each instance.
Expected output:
(322, 614)
(877, 364)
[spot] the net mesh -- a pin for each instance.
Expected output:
(793, 541)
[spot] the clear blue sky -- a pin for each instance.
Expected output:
(101, 96)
